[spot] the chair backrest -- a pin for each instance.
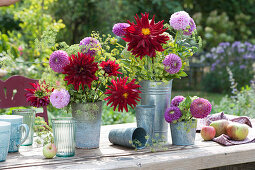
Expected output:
(12, 93)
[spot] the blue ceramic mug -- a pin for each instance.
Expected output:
(16, 123)
(5, 133)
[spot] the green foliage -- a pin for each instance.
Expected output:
(85, 16)
(219, 20)
(240, 103)
(110, 117)
(43, 132)
(184, 106)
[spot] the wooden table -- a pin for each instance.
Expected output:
(199, 156)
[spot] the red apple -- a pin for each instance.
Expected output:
(237, 131)
(220, 126)
(208, 132)
(49, 150)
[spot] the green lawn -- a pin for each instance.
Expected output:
(216, 97)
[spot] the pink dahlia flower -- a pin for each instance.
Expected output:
(179, 20)
(172, 63)
(59, 98)
(177, 100)
(200, 108)
(58, 60)
(119, 29)
(172, 113)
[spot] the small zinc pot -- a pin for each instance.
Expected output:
(88, 124)
(183, 133)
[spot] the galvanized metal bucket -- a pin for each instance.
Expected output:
(128, 137)
(183, 133)
(88, 124)
(145, 118)
(158, 94)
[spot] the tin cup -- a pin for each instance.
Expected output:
(145, 118)
(128, 137)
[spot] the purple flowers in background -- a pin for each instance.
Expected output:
(237, 54)
(58, 60)
(172, 63)
(119, 29)
(172, 113)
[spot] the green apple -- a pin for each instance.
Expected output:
(237, 131)
(49, 150)
(220, 126)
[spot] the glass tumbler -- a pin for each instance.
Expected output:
(64, 138)
(29, 119)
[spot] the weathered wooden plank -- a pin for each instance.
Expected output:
(199, 156)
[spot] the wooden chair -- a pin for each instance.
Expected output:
(12, 93)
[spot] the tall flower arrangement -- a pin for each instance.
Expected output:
(152, 53)
(86, 73)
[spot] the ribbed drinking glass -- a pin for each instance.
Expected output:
(64, 138)
(29, 119)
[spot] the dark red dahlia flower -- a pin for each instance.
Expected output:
(110, 67)
(123, 94)
(145, 37)
(81, 70)
(38, 96)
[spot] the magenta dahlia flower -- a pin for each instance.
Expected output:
(177, 100)
(90, 46)
(172, 113)
(119, 29)
(179, 20)
(172, 63)
(191, 29)
(59, 98)
(58, 60)
(200, 108)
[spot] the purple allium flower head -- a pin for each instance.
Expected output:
(242, 66)
(119, 29)
(177, 100)
(59, 98)
(191, 29)
(179, 20)
(200, 108)
(58, 60)
(172, 63)
(224, 44)
(172, 113)
(90, 46)
(231, 63)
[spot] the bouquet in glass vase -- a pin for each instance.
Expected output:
(155, 54)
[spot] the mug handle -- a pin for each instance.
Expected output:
(25, 126)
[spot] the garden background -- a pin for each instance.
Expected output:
(27, 26)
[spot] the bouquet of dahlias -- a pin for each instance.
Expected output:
(185, 109)
(152, 53)
(86, 73)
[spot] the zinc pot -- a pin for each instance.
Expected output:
(183, 133)
(88, 124)
(158, 94)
